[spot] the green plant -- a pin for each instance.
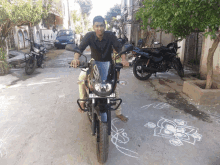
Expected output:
(78, 29)
(4, 66)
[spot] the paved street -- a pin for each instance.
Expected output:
(40, 124)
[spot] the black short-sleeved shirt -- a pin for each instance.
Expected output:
(100, 50)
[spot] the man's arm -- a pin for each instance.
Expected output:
(85, 42)
(124, 61)
(117, 46)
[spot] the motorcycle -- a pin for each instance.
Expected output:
(152, 60)
(101, 98)
(35, 57)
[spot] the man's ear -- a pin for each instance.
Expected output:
(93, 27)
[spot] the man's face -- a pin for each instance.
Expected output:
(99, 28)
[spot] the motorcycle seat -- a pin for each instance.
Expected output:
(155, 52)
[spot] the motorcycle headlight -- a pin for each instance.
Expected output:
(36, 50)
(103, 87)
(56, 40)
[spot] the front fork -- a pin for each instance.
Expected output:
(95, 113)
(94, 122)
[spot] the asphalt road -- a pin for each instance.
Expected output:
(40, 124)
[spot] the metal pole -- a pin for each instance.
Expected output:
(132, 22)
(68, 14)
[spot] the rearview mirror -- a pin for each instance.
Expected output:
(73, 48)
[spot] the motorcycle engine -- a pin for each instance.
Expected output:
(163, 66)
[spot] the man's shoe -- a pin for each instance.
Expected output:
(122, 118)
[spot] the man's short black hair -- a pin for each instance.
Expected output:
(98, 19)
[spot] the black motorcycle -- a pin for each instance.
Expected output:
(101, 99)
(152, 60)
(35, 57)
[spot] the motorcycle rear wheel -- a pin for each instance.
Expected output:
(178, 67)
(30, 66)
(138, 69)
(102, 145)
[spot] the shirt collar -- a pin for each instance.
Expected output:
(103, 39)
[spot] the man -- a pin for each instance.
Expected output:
(100, 42)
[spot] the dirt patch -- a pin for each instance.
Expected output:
(169, 81)
(177, 101)
(171, 95)
(162, 82)
(25, 50)
(53, 53)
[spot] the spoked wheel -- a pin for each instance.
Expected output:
(102, 145)
(30, 65)
(138, 71)
(178, 67)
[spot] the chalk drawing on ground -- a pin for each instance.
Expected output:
(5, 136)
(177, 131)
(156, 106)
(150, 125)
(119, 138)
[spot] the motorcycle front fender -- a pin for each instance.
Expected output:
(104, 117)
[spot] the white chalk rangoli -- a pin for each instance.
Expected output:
(119, 137)
(177, 131)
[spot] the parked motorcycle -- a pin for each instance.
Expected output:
(35, 57)
(101, 99)
(152, 60)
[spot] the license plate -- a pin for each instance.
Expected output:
(63, 43)
(95, 96)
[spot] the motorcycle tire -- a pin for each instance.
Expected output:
(178, 67)
(30, 66)
(135, 71)
(40, 61)
(102, 145)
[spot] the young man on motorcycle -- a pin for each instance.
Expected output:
(100, 42)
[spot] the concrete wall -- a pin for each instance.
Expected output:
(165, 38)
(181, 50)
(207, 43)
(16, 36)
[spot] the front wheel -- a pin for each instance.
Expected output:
(102, 145)
(138, 71)
(30, 65)
(178, 67)
(40, 60)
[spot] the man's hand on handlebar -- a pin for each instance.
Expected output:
(124, 61)
(75, 62)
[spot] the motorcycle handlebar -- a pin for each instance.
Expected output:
(81, 65)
